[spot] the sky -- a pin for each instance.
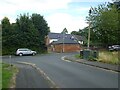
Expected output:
(59, 14)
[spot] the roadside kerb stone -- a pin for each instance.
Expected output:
(51, 83)
(13, 82)
(93, 63)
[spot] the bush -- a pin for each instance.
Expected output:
(12, 51)
(78, 56)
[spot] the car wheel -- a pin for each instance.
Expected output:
(33, 54)
(20, 54)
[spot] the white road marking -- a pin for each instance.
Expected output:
(53, 84)
(63, 58)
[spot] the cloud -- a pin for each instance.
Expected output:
(72, 18)
(92, 0)
(59, 21)
(13, 7)
(35, 4)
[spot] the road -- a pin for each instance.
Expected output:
(71, 74)
(28, 77)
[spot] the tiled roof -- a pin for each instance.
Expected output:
(54, 35)
(68, 38)
(57, 35)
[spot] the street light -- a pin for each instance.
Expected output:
(88, 46)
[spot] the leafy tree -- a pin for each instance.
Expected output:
(27, 32)
(104, 24)
(41, 25)
(27, 35)
(5, 26)
(83, 33)
(6, 33)
(75, 33)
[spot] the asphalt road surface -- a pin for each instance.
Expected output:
(70, 74)
(29, 77)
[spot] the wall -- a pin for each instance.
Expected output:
(67, 48)
(59, 47)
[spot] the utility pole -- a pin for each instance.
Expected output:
(63, 43)
(88, 46)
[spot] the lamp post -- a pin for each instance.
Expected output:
(88, 46)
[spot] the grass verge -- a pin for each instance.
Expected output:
(0, 75)
(105, 57)
(78, 56)
(8, 75)
(108, 57)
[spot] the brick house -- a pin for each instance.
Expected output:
(57, 42)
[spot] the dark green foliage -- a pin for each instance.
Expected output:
(78, 56)
(75, 33)
(6, 33)
(41, 25)
(82, 32)
(27, 32)
(104, 24)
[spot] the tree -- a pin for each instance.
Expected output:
(26, 32)
(64, 31)
(5, 26)
(27, 35)
(104, 24)
(75, 33)
(41, 25)
(82, 32)
(6, 33)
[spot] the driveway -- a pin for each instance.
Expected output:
(70, 74)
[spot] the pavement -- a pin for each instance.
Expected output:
(93, 63)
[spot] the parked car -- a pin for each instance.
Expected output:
(25, 51)
(114, 47)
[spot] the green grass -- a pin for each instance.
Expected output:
(7, 73)
(0, 75)
(78, 56)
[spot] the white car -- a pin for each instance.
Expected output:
(114, 48)
(25, 51)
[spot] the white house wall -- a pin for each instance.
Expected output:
(51, 40)
(81, 42)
